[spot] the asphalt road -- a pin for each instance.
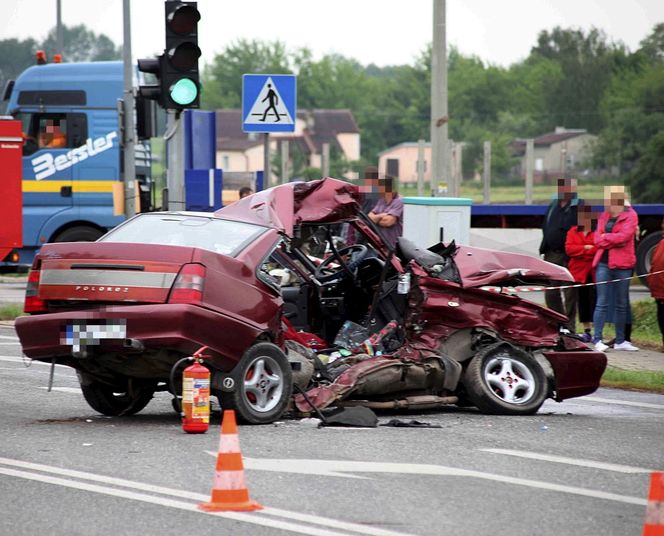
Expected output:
(577, 468)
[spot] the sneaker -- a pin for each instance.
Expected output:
(586, 337)
(625, 347)
(601, 347)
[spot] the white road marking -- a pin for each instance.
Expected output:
(621, 402)
(8, 337)
(258, 518)
(292, 466)
(333, 467)
(571, 461)
(75, 390)
(10, 343)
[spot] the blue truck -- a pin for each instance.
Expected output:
(72, 159)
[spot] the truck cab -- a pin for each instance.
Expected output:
(71, 152)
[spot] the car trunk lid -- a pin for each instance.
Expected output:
(109, 272)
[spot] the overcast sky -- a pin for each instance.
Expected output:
(380, 31)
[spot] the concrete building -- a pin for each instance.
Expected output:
(559, 153)
(401, 161)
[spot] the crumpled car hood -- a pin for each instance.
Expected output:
(282, 207)
(479, 267)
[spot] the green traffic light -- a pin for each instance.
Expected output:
(184, 91)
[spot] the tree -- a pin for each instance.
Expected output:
(587, 62)
(81, 44)
(222, 80)
(15, 57)
(647, 180)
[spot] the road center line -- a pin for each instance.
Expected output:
(333, 467)
(256, 518)
(621, 402)
(571, 461)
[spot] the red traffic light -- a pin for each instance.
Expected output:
(183, 19)
(185, 56)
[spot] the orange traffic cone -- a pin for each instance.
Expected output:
(654, 525)
(229, 491)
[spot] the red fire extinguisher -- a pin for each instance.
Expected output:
(196, 396)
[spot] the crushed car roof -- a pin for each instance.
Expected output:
(282, 207)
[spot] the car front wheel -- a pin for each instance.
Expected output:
(503, 380)
(264, 385)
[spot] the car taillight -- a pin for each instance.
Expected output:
(33, 304)
(188, 285)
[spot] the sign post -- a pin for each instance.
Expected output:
(268, 105)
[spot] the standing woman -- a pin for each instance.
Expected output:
(656, 284)
(580, 248)
(614, 259)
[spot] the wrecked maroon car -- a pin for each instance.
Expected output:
(267, 286)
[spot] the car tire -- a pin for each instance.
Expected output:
(79, 234)
(113, 401)
(644, 254)
(503, 380)
(263, 385)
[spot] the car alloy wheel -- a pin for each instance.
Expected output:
(504, 380)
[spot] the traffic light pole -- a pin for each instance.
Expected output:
(129, 131)
(175, 173)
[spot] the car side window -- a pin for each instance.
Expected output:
(52, 131)
(278, 270)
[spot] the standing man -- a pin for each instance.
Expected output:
(388, 212)
(559, 218)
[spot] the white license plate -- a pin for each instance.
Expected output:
(80, 334)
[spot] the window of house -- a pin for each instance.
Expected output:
(225, 162)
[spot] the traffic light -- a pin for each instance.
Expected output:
(153, 92)
(180, 86)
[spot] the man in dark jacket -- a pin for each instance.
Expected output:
(560, 217)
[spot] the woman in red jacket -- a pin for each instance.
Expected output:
(656, 284)
(614, 260)
(580, 248)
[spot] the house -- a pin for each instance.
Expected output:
(556, 154)
(400, 161)
(239, 151)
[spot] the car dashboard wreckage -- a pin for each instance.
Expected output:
(303, 305)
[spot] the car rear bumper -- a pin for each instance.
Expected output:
(577, 373)
(179, 327)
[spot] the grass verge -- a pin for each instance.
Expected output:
(636, 380)
(10, 311)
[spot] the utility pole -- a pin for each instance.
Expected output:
(266, 161)
(530, 159)
(440, 168)
(59, 35)
(486, 173)
(420, 167)
(284, 161)
(325, 160)
(129, 131)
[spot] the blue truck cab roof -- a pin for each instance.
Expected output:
(101, 82)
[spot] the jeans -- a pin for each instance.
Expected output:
(621, 294)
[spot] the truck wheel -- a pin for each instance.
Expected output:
(503, 380)
(113, 402)
(263, 385)
(79, 234)
(644, 254)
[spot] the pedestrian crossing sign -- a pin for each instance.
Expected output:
(268, 102)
